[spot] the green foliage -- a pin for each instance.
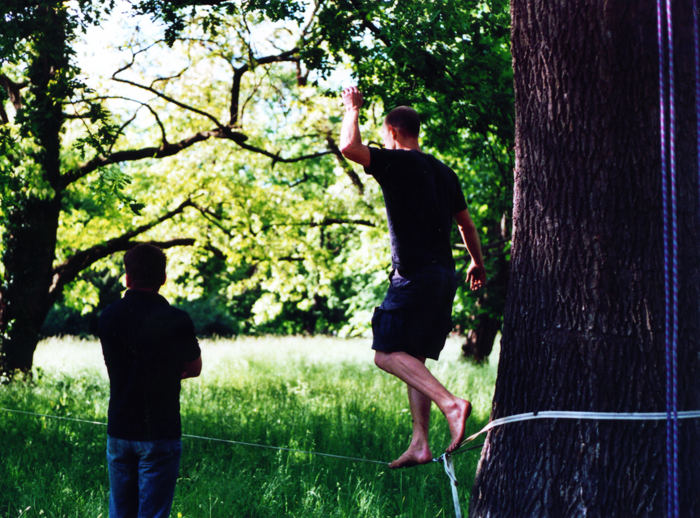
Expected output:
(448, 59)
(309, 394)
(280, 246)
(213, 15)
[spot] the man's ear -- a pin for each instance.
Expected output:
(128, 281)
(394, 132)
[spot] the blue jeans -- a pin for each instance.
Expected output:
(142, 477)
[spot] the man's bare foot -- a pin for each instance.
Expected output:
(457, 421)
(413, 456)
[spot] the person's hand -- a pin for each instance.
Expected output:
(352, 98)
(476, 276)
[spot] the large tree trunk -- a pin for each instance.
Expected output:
(32, 220)
(28, 261)
(584, 320)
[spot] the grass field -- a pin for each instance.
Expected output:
(317, 394)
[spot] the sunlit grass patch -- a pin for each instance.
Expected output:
(311, 394)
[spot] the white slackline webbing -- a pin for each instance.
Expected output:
(450, 470)
(446, 458)
(202, 437)
(571, 414)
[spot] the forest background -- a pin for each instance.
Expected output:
(211, 130)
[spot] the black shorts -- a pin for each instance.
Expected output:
(416, 314)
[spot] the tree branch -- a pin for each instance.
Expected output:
(168, 149)
(354, 178)
(212, 218)
(164, 138)
(127, 155)
(71, 267)
(325, 222)
(235, 94)
(170, 99)
(338, 221)
(168, 78)
(215, 220)
(13, 90)
(362, 16)
(288, 55)
(276, 156)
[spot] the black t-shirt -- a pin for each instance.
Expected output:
(145, 342)
(421, 195)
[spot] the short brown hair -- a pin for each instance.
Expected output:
(145, 265)
(405, 119)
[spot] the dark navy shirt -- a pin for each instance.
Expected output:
(145, 342)
(421, 195)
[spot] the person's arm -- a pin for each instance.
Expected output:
(191, 369)
(476, 274)
(350, 139)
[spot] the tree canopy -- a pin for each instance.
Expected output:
(213, 125)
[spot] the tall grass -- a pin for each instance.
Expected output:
(315, 394)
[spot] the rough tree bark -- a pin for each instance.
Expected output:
(584, 320)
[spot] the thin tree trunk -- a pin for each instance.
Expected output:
(481, 337)
(584, 319)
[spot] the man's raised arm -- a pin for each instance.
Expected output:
(350, 140)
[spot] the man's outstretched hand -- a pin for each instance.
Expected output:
(476, 276)
(352, 98)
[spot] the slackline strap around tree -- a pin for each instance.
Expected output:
(572, 414)
(445, 458)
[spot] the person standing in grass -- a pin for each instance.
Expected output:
(422, 197)
(148, 347)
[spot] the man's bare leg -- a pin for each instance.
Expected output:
(414, 373)
(418, 451)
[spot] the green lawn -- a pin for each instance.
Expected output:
(317, 394)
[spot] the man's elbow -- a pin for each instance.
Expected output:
(348, 150)
(356, 153)
(192, 369)
(468, 227)
(465, 222)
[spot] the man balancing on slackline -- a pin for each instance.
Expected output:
(422, 196)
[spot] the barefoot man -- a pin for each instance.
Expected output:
(422, 196)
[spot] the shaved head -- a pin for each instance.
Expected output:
(405, 119)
